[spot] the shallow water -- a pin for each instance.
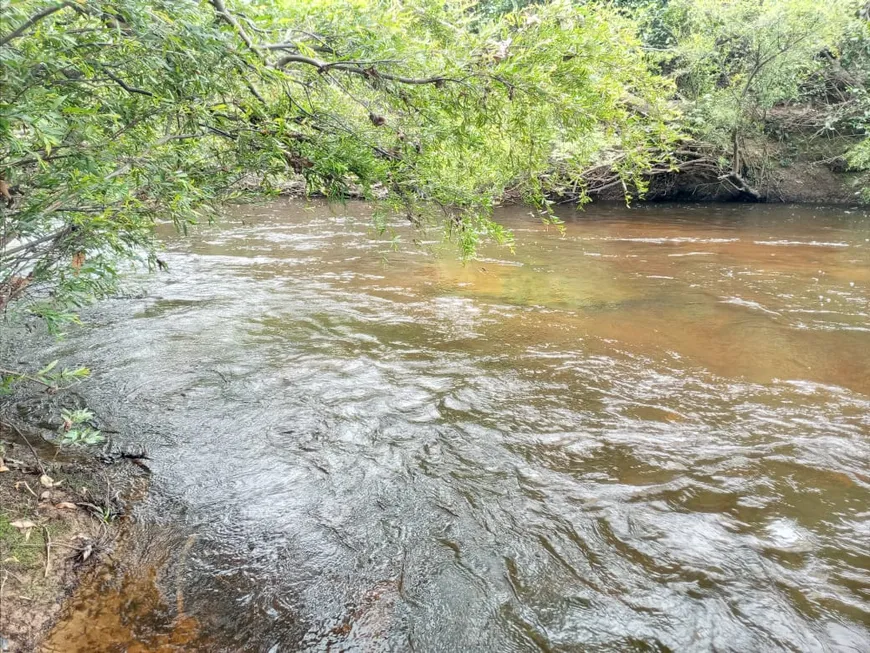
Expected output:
(649, 433)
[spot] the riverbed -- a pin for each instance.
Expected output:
(647, 432)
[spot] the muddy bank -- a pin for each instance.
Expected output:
(804, 182)
(62, 516)
(776, 172)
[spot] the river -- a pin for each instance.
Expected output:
(650, 432)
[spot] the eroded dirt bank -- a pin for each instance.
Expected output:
(63, 515)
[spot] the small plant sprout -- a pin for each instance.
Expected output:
(76, 428)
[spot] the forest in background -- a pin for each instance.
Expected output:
(118, 114)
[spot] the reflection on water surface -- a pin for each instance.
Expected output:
(650, 433)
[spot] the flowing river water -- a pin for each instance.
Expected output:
(649, 433)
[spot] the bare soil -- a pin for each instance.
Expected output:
(59, 520)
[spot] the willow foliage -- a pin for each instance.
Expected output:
(117, 113)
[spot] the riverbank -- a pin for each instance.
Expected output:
(779, 172)
(793, 168)
(62, 515)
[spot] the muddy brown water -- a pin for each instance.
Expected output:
(649, 433)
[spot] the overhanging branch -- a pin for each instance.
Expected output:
(369, 72)
(354, 68)
(54, 236)
(221, 10)
(30, 22)
(130, 89)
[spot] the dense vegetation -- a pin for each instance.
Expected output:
(115, 114)
(749, 73)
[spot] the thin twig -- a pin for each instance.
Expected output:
(130, 89)
(31, 491)
(26, 377)
(2, 586)
(47, 551)
(27, 442)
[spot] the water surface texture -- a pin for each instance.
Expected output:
(649, 433)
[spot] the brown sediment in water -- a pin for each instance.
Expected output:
(131, 615)
(127, 605)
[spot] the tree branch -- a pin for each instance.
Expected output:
(279, 46)
(33, 243)
(30, 22)
(356, 69)
(221, 10)
(23, 437)
(176, 137)
(130, 89)
(322, 66)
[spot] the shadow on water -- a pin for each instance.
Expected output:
(648, 433)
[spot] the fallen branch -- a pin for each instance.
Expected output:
(2, 587)
(29, 490)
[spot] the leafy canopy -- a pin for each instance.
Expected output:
(118, 113)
